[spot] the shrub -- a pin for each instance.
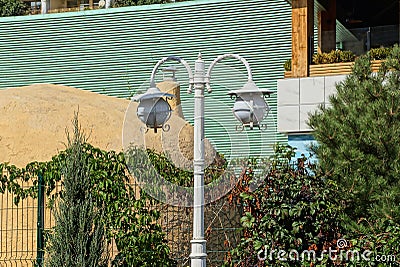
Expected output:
(381, 238)
(13, 8)
(379, 53)
(358, 145)
(318, 58)
(358, 139)
(294, 208)
(127, 215)
(346, 56)
(288, 65)
(335, 56)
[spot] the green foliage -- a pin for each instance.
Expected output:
(359, 139)
(166, 168)
(126, 214)
(160, 178)
(335, 56)
(379, 53)
(78, 238)
(129, 215)
(346, 56)
(382, 238)
(288, 65)
(13, 8)
(359, 147)
(294, 208)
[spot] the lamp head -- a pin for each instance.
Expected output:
(153, 110)
(250, 108)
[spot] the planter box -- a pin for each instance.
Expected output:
(338, 68)
(334, 69)
(287, 74)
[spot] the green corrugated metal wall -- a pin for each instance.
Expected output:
(113, 52)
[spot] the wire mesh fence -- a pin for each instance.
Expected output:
(222, 221)
(19, 227)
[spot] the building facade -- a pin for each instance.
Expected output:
(323, 26)
(113, 52)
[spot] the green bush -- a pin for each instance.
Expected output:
(13, 8)
(358, 139)
(346, 56)
(294, 208)
(379, 53)
(335, 56)
(288, 65)
(380, 237)
(127, 214)
(319, 58)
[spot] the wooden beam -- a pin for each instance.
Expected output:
(302, 36)
(327, 28)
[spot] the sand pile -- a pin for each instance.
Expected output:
(33, 121)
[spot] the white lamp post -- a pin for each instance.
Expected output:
(250, 108)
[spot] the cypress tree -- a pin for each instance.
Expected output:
(78, 239)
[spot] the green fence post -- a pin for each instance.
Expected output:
(40, 222)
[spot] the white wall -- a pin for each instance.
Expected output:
(297, 97)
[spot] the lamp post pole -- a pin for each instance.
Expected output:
(198, 255)
(249, 108)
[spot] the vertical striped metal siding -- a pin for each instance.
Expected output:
(113, 52)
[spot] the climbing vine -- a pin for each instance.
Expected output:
(127, 215)
(294, 208)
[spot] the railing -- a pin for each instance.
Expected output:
(359, 41)
(363, 39)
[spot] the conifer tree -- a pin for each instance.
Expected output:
(359, 139)
(78, 239)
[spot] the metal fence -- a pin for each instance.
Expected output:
(222, 221)
(22, 225)
(18, 230)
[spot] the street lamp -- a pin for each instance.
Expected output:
(250, 108)
(153, 110)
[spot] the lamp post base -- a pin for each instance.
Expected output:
(198, 255)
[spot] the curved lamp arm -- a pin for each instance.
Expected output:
(165, 59)
(218, 59)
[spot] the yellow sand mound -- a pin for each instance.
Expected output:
(33, 121)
